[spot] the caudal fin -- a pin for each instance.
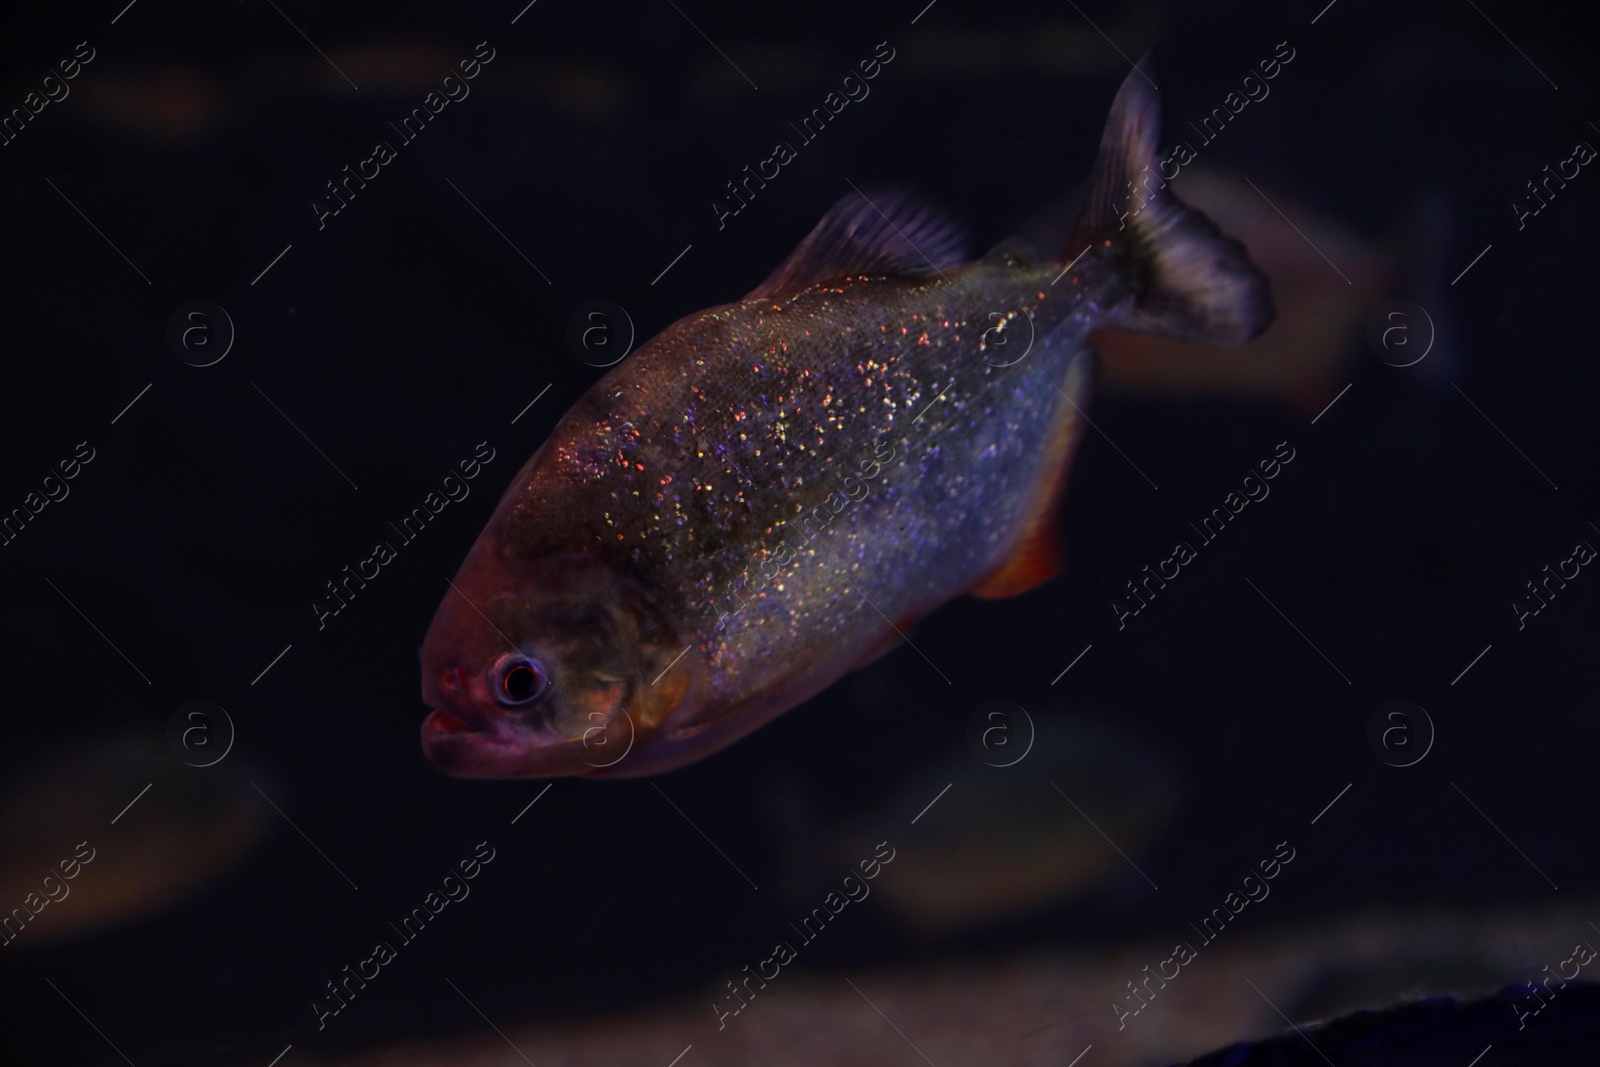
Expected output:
(1193, 283)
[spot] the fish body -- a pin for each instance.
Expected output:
(768, 493)
(798, 496)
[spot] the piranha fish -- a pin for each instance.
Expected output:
(770, 491)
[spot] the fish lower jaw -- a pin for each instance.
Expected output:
(465, 749)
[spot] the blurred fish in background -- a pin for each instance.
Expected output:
(1326, 283)
(1327, 279)
(1043, 1009)
(176, 104)
(1000, 841)
(182, 828)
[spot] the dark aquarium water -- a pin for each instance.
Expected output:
(1292, 760)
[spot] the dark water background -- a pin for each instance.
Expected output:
(408, 330)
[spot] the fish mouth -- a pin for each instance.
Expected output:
(465, 745)
(441, 722)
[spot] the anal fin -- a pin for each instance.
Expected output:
(1036, 560)
(1037, 555)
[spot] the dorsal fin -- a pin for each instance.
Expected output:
(1015, 249)
(881, 232)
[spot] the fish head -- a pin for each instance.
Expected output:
(554, 668)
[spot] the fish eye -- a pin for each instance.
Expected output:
(519, 680)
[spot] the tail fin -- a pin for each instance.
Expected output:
(1192, 282)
